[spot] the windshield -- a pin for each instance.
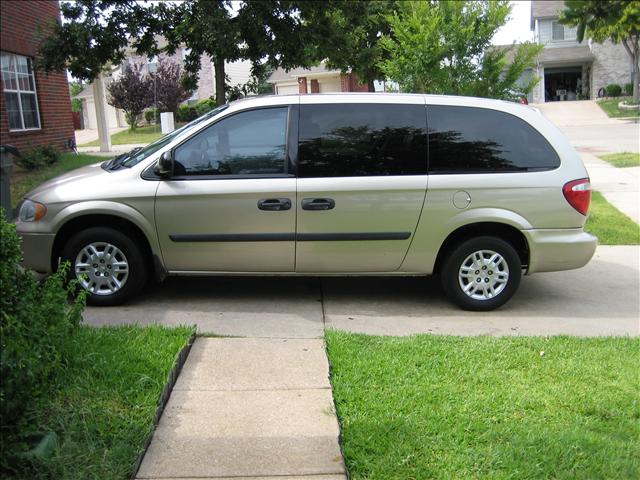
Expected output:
(152, 148)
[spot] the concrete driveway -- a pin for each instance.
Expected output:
(601, 299)
(589, 129)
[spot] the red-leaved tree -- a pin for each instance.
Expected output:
(169, 92)
(132, 92)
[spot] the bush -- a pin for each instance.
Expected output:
(36, 322)
(150, 116)
(628, 89)
(39, 157)
(613, 90)
(204, 106)
(186, 113)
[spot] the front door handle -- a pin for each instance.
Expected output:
(274, 204)
(318, 203)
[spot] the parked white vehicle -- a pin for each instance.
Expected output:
(478, 191)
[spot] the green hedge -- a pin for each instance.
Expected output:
(39, 157)
(613, 90)
(36, 323)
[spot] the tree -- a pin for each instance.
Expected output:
(131, 92)
(99, 32)
(615, 20)
(347, 35)
(167, 86)
(76, 88)
(445, 47)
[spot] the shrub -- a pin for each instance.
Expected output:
(150, 116)
(204, 106)
(186, 113)
(613, 90)
(628, 89)
(36, 322)
(39, 157)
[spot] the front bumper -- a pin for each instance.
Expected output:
(552, 250)
(37, 248)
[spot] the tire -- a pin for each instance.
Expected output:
(121, 271)
(499, 277)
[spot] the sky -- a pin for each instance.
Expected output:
(517, 28)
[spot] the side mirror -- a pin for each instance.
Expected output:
(165, 165)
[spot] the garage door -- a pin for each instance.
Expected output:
(287, 89)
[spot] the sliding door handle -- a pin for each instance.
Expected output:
(274, 204)
(318, 203)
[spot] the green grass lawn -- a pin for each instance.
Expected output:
(107, 399)
(610, 225)
(22, 182)
(142, 135)
(622, 160)
(610, 107)
(481, 407)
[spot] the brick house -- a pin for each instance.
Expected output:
(569, 70)
(35, 107)
(317, 79)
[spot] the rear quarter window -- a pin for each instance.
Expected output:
(480, 140)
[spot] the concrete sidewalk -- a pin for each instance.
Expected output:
(249, 408)
(620, 186)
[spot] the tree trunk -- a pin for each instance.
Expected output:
(632, 47)
(218, 65)
(636, 76)
(370, 85)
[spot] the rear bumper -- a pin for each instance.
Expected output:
(551, 250)
(37, 248)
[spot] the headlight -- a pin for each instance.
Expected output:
(31, 211)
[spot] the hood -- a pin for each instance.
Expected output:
(84, 179)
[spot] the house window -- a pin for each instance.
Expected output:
(20, 95)
(561, 32)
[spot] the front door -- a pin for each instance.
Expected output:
(362, 183)
(230, 205)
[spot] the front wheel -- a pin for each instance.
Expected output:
(481, 274)
(108, 264)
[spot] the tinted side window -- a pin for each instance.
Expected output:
(468, 140)
(247, 143)
(347, 140)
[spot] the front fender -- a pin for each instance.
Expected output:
(106, 207)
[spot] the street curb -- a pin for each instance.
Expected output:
(164, 398)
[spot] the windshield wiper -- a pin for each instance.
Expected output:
(117, 162)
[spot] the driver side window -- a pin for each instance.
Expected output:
(247, 143)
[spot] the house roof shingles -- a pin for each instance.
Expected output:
(545, 9)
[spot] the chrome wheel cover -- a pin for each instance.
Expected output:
(483, 275)
(101, 268)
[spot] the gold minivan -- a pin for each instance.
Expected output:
(478, 191)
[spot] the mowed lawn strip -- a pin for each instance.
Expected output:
(622, 160)
(482, 407)
(610, 225)
(146, 134)
(107, 399)
(22, 182)
(611, 108)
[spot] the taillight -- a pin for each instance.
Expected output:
(578, 194)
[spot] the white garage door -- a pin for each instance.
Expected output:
(287, 89)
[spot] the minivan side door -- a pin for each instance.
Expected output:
(230, 204)
(361, 183)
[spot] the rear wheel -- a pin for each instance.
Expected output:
(107, 264)
(481, 274)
